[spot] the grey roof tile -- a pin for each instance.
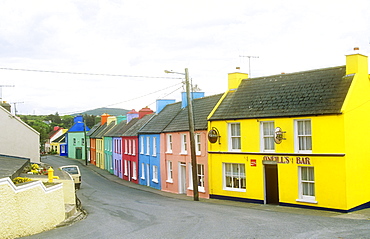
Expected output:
(315, 92)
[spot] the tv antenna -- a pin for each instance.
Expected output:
(1, 90)
(249, 57)
(15, 106)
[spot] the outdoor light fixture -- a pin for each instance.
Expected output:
(192, 134)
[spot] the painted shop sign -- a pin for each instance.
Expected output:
(287, 159)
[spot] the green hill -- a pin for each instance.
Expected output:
(100, 111)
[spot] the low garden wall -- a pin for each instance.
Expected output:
(29, 208)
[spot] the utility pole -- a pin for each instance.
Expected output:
(249, 75)
(15, 107)
(193, 156)
(1, 93)
(84, 121)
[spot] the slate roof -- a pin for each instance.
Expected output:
(98, 131)
(60, 139)
(315, 92)
(118, 129)
(202, 107)
(162, 119)
(93, 129)
(134, 129)
(105, 129)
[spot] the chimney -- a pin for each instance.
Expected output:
(234, 79)
(193, 95)
(56, 128)
(132, 115)
(145, 111)
(356, 63)
(160, 104)
(121, 118)
(104, 118)
(111, 119)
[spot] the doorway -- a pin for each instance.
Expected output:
(78, 153)
(271, 184)
(182, 178)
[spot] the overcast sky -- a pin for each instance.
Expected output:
(146, 37)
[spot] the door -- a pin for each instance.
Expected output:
(182, 178)
(271, 184)
(78, 153)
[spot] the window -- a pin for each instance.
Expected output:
(234, 137)
(306, 184)
(169, 143)
(83, 141)
(147, 145)
(183, 144)
(74, 141)
(141, 144)
(133, 147)
(267, 136)
(129, 147)
(303, 141)
(155, 174)
(125, 146)
(198, 145)
(234, 177)
(200, 172)
(142, 171)
(134, 171)
(154, 146)
(126, 169)
(169, 172)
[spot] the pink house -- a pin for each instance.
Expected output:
(176, 173)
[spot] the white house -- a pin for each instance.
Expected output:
(17, 138)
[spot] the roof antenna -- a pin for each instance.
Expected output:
(249, 75)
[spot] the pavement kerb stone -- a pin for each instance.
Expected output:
(363, 214)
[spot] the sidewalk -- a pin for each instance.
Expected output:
(360, 215)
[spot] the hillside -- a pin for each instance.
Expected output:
(100, 111)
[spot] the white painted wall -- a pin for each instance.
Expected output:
(17, 138)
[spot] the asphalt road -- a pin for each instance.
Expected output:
(118, 211)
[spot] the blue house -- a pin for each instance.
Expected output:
(150, 143)
(76, 139)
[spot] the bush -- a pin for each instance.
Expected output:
(18, 180)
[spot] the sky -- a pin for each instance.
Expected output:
(123, 47)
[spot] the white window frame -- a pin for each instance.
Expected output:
(311, 198)
(304, 137)
(133, 147)
(198, 145)
(147, 145)
(126, 167)
(142, 171)
(232, 174)
(232, 136)
(184, 144)
(201, 177)
(134, 170)
(141, 144)
(129, 147)
(269, 136)
(154, 153)
(169, 172)
(169, 143)
(126, 146)
(155, 174)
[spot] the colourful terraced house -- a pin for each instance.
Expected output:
(176, 167)
(76, 139)
(298, 139)
(150, 143)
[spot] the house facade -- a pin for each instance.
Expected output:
(150, 143)
(176, 175)
(294, 139)
(56, 133)
(76, 139)
(17, 138)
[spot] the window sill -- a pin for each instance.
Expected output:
(134, 178)
(183, 153)
(142, 178)
(306, 201)
(155, 181)
(200, 189)
(235, 190)
(169, 181)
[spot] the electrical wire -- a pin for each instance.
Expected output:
(84, 73)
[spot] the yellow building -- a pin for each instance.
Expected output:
(297, 139)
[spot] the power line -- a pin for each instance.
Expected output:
(85, 73)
